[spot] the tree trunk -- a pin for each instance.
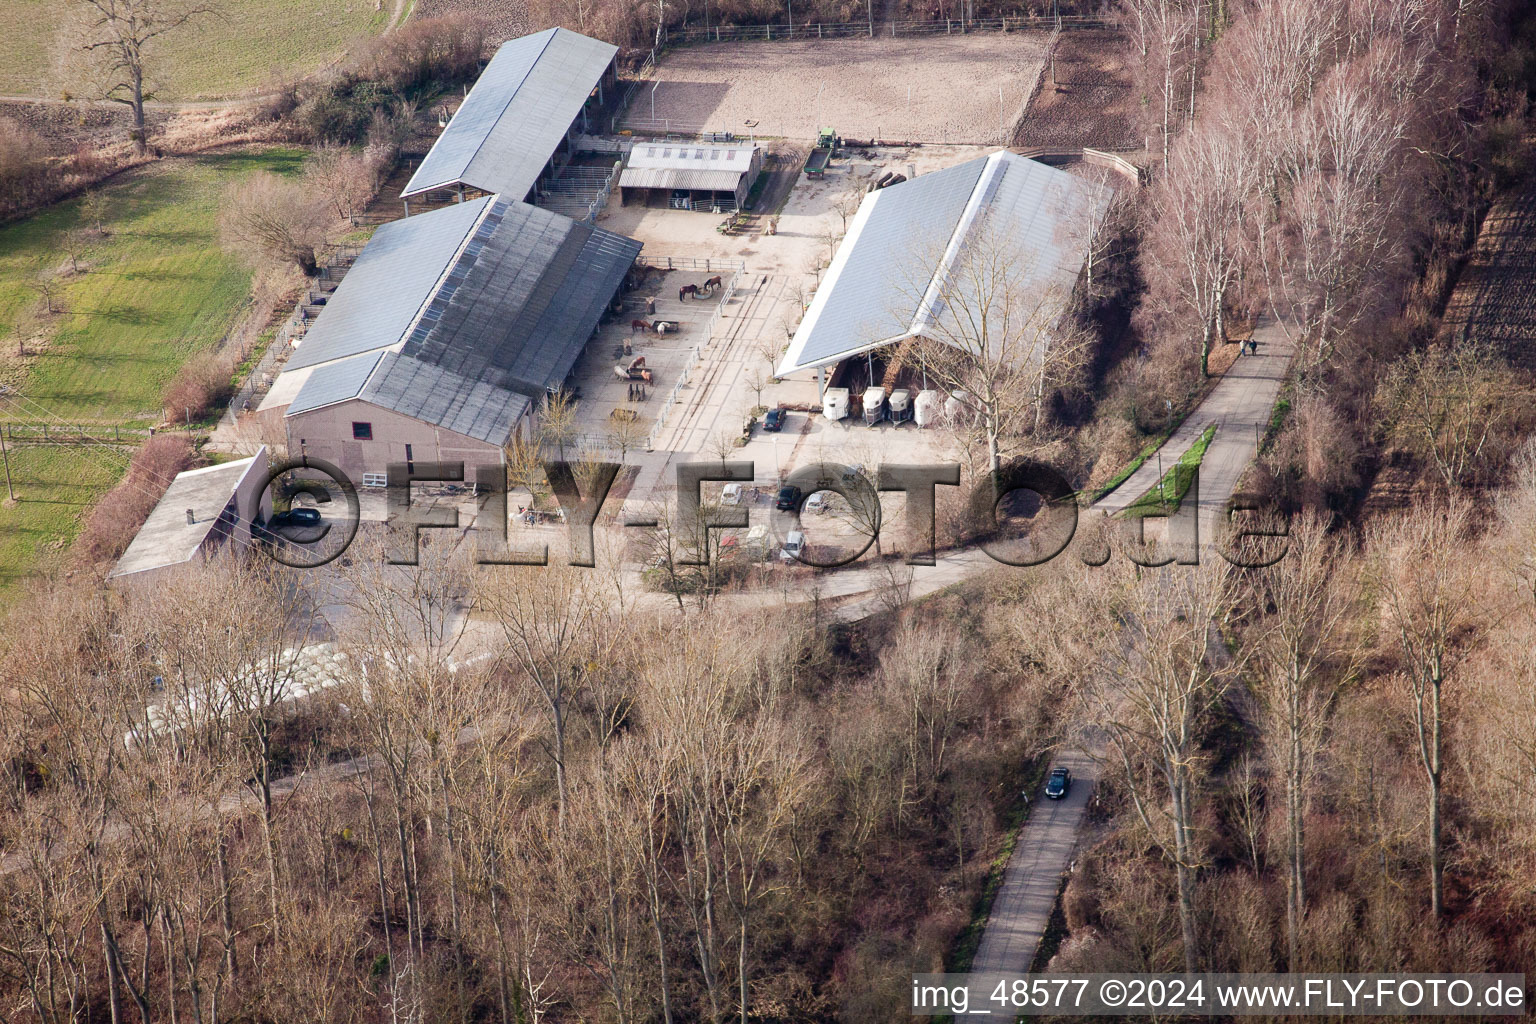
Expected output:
(140, 135)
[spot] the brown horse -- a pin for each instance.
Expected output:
(687, 291)
(712, 283)
(639, 325)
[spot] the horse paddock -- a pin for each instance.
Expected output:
(947, 88)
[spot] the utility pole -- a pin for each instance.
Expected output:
(5, 456)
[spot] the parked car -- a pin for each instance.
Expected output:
(819, 502)
(794, 547)
(788, 499)
(730, 494)
(1059, 784)
(774, 421)
(299, 515)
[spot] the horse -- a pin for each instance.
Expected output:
(687, 291)
(712, 283)
(639, 325)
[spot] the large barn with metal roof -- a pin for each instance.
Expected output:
(520, 119)
(446, 334)
(890, 275)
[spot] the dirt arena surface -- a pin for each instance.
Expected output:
(1093, 100)
(858, 86)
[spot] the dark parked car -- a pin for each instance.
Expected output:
(299, 515)
(1058, 784)
(774, 421)
(789, 498)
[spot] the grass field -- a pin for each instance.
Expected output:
(218, 55)
(155, 289)
(55, 486)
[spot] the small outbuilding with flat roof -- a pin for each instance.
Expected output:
(713, 177)
(202, 512)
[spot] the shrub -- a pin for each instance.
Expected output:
(339, 111)
(120, 513)
(273, 218)
(203, 382)
(433, 51)
(21, 169)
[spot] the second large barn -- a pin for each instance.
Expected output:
(444, 339)
(898, 272)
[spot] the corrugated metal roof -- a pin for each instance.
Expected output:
(692, 156)
(334, 382)
(395, 274)
(533, 288)
(1043, 213)
(870, 294)
(671, 177)
(505, 321)
(474, 408)
(907, 240)
(510, 123)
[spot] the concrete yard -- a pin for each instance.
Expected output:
(957, 88)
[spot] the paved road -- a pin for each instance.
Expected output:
(1024, 902)
(1240, 405)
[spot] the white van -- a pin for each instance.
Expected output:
(794, 547)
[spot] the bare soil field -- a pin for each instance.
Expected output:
(504, 19)
(934, 89)
(1495, 299)
(1093, 101)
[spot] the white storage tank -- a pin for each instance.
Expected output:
(834, 403)
(874, 405)
(926, 408)
(901, 405)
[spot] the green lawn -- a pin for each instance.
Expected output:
(55, 486)
(218, 55)
(1164, 497)
(155, 289)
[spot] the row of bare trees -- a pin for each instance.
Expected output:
(1284, 743)
(495, 793)
(1297, 187)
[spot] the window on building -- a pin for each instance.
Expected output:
(362, 431)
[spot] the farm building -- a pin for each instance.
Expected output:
(899, 270)
(202, 511)
(447, 335)
(518, 122)
(690, 176)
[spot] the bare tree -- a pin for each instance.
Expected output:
(1449, 407)
(270, 217)
(996, 334)
(1303, 657)
(346, 179)
(1194, 248)
(551, 620)
(1428, 600)
(121, 33)
(1153, 696)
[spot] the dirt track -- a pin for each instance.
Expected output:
(858, 86)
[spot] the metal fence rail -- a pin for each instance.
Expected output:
(664, 262)
(59, 432)
(264, 373)
(869, 29)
